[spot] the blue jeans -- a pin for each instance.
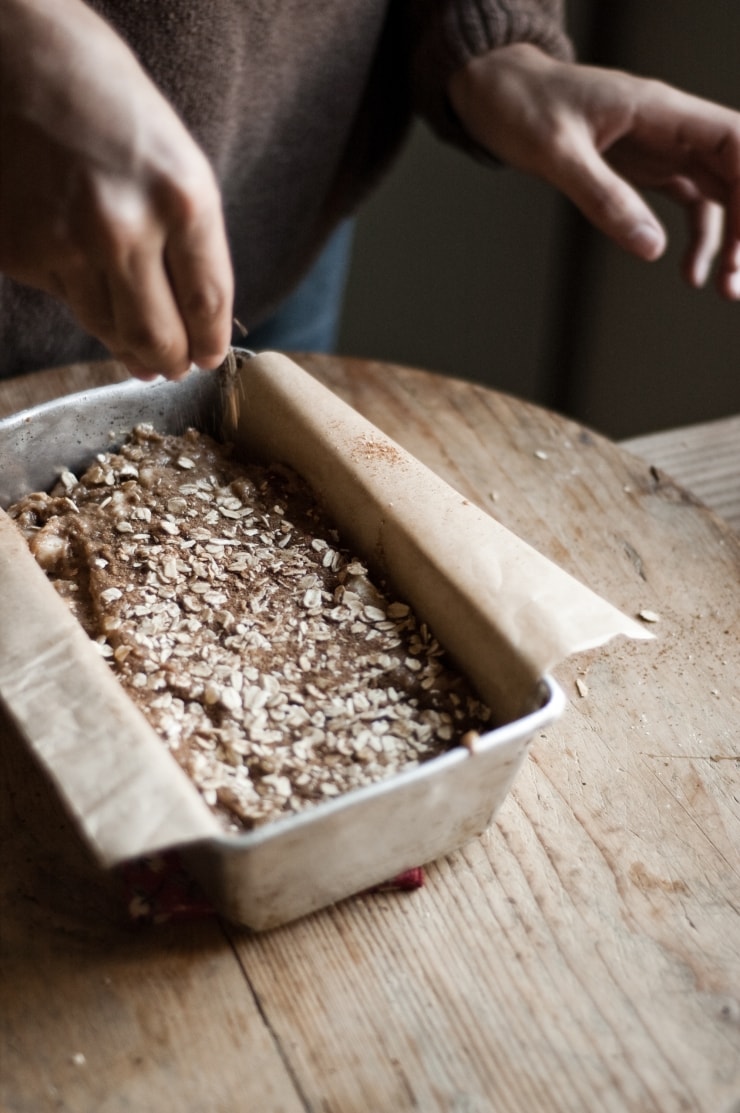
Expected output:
(309, 318)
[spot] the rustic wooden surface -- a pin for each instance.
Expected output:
(583, 955)
(705, 458)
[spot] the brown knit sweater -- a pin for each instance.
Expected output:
(300, 107)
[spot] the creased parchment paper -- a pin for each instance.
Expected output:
(111, 768)
(506, 614)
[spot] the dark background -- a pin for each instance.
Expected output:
(491, 276)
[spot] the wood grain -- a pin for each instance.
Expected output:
(705, 458)
(583, 955)
(163, 1019)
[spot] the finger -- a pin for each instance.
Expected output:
(705, 237)
(199, 269)
(86, 292)
(608, 201)
(149, 335)
(135, 369)
(728, 276)
(697, 195)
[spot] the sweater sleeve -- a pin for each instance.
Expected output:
(449, 33)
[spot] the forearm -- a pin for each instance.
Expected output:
(40, 43)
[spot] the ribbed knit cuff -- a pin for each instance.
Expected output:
(450, 34)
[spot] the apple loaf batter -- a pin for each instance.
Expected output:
(257, 646)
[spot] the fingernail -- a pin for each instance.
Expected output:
(142, 373)
(700, 275)
(210, 363)
(647, 240)
(732, 283)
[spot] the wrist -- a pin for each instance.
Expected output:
(503, 63)
(494, 94)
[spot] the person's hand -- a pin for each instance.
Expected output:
(596, 134)
(106, 201)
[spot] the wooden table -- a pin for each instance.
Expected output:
(704, 458)
(583, 955)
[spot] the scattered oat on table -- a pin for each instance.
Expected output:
(277, 673)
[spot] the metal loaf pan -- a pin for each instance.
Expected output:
(298, 864)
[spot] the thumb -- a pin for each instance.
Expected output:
(610, 203)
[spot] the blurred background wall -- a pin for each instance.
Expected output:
(491, 276)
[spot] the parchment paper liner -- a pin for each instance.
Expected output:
(505, 613)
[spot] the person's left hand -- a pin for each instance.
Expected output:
(599, 136)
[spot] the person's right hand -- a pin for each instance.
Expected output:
(106, 201)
